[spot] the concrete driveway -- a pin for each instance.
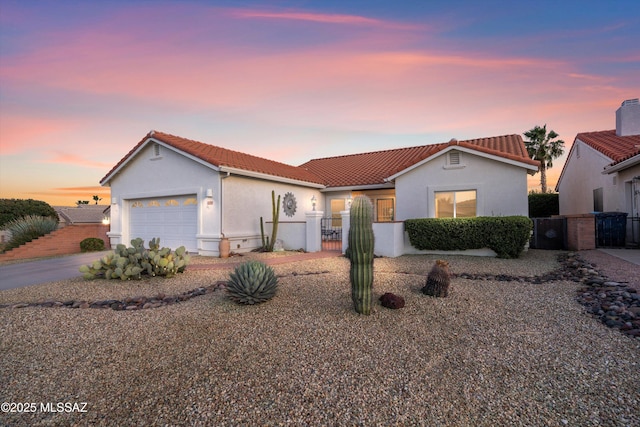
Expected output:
(44, 270)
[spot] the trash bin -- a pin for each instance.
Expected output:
(611, 229)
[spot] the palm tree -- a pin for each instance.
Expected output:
(541, 147)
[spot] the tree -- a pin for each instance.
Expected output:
(97, 199)
(13, 209)
(542, 147)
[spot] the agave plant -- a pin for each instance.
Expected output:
(252, 282)
(28, 228)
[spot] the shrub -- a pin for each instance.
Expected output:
(28, 228)
(543, 205)
(126, 263)
(13, 209)
(92, 244)
(252, 282)
(506, 236)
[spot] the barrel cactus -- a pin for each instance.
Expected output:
(360, 253)
(252, 282)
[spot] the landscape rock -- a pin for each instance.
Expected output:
(392, 301)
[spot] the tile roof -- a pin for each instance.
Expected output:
(373, 168)
(617, 148)
(350, 170)
(218, 156)
(81, 214)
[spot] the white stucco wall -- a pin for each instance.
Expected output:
(581, 175)
(245, 200)
(169, 174)
(501, 188)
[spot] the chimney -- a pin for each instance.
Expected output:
(628, 118)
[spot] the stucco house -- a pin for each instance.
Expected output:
(191, 193)
(602, 171)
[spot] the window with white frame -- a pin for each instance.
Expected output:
(455, 204)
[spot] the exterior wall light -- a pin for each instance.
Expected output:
(313, 201)
(209, 198)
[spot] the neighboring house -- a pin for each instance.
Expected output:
(82, 214)
(602, 171)
(192, 194)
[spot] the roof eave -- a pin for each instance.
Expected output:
(632, 161)
(264, 176)
(360, 187)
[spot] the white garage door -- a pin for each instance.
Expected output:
(173, 219)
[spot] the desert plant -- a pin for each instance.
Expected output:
(28, 228)
(252, 282)
(133, 262)
(360, 253)
(92, 244)
(267, 245)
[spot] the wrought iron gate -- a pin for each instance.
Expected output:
(331, 231)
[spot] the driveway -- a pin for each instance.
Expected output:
(44, 270)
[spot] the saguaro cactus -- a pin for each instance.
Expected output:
(360, 253)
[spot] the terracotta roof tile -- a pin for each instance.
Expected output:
(372, 168)
(351, 170)
(617, 148)
(218, 156)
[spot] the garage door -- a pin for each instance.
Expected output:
(173, 219)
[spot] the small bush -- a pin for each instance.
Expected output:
(28, 228)
(92, 244)
(14, 209)
(506, 236)
(543, 205)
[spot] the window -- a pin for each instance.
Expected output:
(337, 205)
(598, 204)
(455, 204)
(384, 210)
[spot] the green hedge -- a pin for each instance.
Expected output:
(542, 205)
(13, 209)
(506, 235)
(92, 244)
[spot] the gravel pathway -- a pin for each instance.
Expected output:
(492, 353)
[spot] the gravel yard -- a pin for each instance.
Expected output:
(492, 353)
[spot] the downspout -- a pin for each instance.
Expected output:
(222, 178)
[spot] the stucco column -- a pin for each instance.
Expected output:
(314, 236)
(346, 224)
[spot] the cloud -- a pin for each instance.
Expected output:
(324, 18)
(72, 159)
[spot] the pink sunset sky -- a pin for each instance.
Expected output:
(82, 82)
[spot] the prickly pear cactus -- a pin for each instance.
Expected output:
(127, 263)
(360, 253)
(252, 282)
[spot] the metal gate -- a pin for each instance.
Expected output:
(611, 229)
(331, 231)
(548, 233)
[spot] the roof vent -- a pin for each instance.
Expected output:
(453, 141)
(628, 118)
